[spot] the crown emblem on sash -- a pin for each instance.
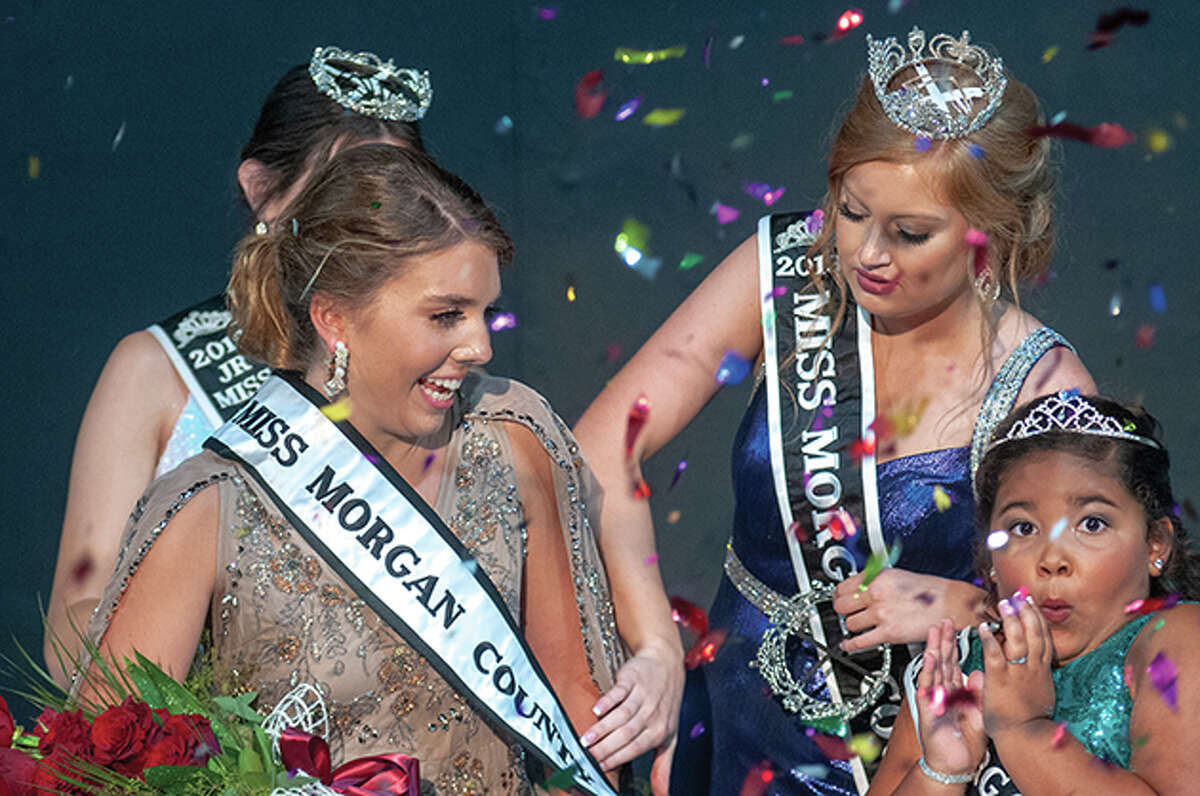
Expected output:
(198, 323)
(933, 102)
(363, 83)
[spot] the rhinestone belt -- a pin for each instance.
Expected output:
(789, 618)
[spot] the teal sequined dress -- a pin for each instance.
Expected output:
(1091, 698)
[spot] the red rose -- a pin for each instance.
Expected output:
(170, 751)
(122, 734)
(54, 771)
(188, 740)
(7, 725)
(67, 731)
(17, 773)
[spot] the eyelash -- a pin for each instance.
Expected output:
(449, 318)
(911, 238)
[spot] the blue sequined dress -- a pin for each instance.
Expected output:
(730, 721)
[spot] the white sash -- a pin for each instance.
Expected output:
(394, 551)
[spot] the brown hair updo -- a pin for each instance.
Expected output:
(348, 232)
(998, 177)
(299, 127)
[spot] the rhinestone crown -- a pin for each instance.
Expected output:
(933, 103)
(1071, 413)
(364, 84)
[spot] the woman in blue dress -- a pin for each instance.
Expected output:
(885, 356)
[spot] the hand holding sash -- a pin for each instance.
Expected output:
(898, 607)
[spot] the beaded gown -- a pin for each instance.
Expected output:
(731, 722)
(280, 616)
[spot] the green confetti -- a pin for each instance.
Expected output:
(1142, 741)
(878, 562)
(376, 205)
(780, 96)
(564, 778)
(627, 55)
(690, 260)
(831, 725)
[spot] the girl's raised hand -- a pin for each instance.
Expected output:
(1018, 687)
(951, 721)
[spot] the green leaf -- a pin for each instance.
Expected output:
(167, 777)
(249, 761)
(145, 685)
(239, 706)
(171, 695)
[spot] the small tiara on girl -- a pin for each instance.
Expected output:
(364, 84)
(1069, 412)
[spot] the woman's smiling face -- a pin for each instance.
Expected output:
(901, 250)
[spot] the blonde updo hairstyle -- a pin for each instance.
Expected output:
(367, 211)
(999, 177)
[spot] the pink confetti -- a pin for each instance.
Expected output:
(937, 700)
(1144, 339)
(797, 530)
(705, 649)
(922, 143)
(792, 41)
(814, 221)
(547, 13)
(1060, 734)
(590, 94)
(612, 352)
(697, 730)
(83, 567)
(775, 292)
(725, 214)
(503, 320)
(1165, 677)
(764, 192)
(652, 559)
(1106, 135)
(757, 780)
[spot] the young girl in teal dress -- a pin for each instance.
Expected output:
(1091, 682)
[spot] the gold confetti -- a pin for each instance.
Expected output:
(570, 292)
(940, 498)
(35, 167)
(630, 56)
(663, 117)
(1158, 140)
(865, 745)
(673, 516)
(338, 410)
(1049, 54)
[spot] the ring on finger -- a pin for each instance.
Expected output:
(1018, 661)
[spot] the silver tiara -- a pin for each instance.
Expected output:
(932, 103)
(1071, 413)
(367, 85)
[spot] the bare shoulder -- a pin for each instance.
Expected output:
(1171, 633)
(1060, 368)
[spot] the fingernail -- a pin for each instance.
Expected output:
(587, 739)
(985, 626)
(1029, 599)
(1021, 593)
(1007, 609)
(596, 709)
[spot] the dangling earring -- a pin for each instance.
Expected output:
(338, 360)
(260, 228)
(1158, 564)
(992, 573)
(986, 285)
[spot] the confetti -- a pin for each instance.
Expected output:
(638, 413)
(697, 730)
(863, 446)
(976, 151)
(69, 83)
(922, 143)
(429, 461)
(295, 228)
(651, 559)
(690, 260)
(937, 700)
(1144, 337)
(627, 55)
(504, 125)
(763, 191)
(840, 524)
(590, 94)
(724, 213)
(570, 292)
(631, 241)
(704, 650)
(627, 109)
(339, 410)
(1108, 135)
(1060, 735)
(997, 539)
(791, 41)
(894, 6)
(775, 292)
(35, 167)
(814, 221)
(673, 516)
(83, 567)
(1158, 140)
(679, 468)
(1158, 299)
(733, 369)
(1164, 676)
(797, 530)
(978, 241)
(925, 598)
(641, 490)
(878, 562)
(849, 20)
(830, 745)
(1049, 53)
(689, 615)
(782, 94)
(663, 117)
(563, 778)
(737, 41)
(119, 137)
(940, 498)
(757, 779)
(708, 52)
(502, 320)
(612, 352)
(1058, 529)
(741, 141)
(1114, 305)
(1108, 24)
(547, 13)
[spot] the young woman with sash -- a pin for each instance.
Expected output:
(165, 389)
(382, 520)
(886, 356)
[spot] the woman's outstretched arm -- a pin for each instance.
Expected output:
(126, 425)
(675, 371)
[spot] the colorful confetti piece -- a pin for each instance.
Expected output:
(651, 559)
(922, 143)
(704, 650)
(763, 191)
(627, 55)
(547, 13)
(1108, 24)
(627, 109)
(1049, 53)
(590, 94)
(878, 562)
(663, 117)
(997, 539)
(797, 530)
(757, 779)
(697, 730)
(1164, 676)
(1158, 298)
(782, 94)
(830, 745)
(35, 167)
(850, 19)
(563, 778)
(504, 125)
(1057, 530)
(673, 516)
(679, 468)
(429, 461)
(1060, 735)
(1114, 305)
(689, 615)
(792, 40)
(1158, 140)
(975, 150)
(338, 410)
(941, 498)
(733, 369)
(119, 137)
(1107, 135)
(502, 320)
(1144, 337)
(641, 490)
(570, 292)
(690, 261)
(83, 567)
(724, 213)
(737, 41)
(638, 414)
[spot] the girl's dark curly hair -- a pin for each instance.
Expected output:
(1143, 469)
